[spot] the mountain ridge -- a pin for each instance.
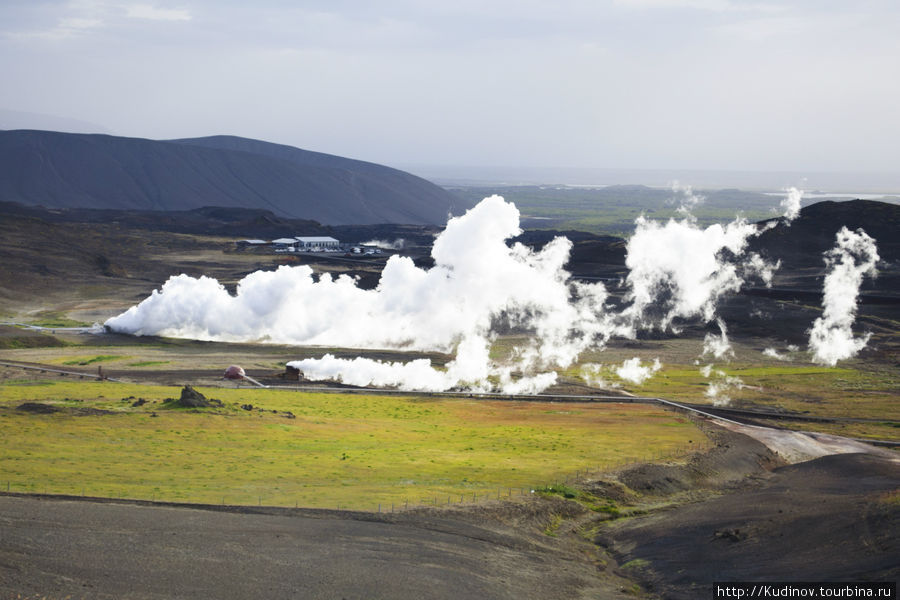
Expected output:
(100, 171)
(803, 241)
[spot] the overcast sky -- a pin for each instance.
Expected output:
(668, 84)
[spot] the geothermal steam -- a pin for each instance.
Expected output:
(718, 346)
(478, 285)
(478, 282)
(831, 337)
(632, 370)
(678, 270)
(791, 204)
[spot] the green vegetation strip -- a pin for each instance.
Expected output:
(822, 391)
(316, 450)
(853, 392)
(56, 319)
(89, 360)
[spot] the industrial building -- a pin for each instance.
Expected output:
(317, 243)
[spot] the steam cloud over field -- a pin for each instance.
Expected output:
(831, 337)
(479, 284)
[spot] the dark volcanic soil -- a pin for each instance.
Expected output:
(52, 548)
(835, 518)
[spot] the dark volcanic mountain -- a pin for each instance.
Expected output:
(802, 242)
(67, 170)
(209, 220)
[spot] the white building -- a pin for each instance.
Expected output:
(316, 242)
(284, 243)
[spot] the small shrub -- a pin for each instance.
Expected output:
(559, 489)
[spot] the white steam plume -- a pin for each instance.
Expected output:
(831, 337)
(688, 199)
(592, 374)
(632, 370)
(681, 270)
(757, 266)
(717, 390)
(414, 375)
(791, 204)
(678, 270)
(773, 353)
(397, 244)
(718, 345)
(477, 281)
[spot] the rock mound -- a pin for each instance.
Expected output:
(191, 398)
(735, 458)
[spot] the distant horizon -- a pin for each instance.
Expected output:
(832, 183)
(850, 183)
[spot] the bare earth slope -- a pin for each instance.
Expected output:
(76, 549)
(830, 519)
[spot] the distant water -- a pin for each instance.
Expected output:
(857, 185)
(893, 198)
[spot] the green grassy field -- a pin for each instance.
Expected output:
(351, 451)
(612, 210)
(826, 391)
(837, 392)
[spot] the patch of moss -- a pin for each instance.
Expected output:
(56, 319)
(94, 359)
(586, 499)
(637, 563)
(553, 526)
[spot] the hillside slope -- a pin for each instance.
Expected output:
(801, 243)
(65, 170)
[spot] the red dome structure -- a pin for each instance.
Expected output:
(234, 372)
